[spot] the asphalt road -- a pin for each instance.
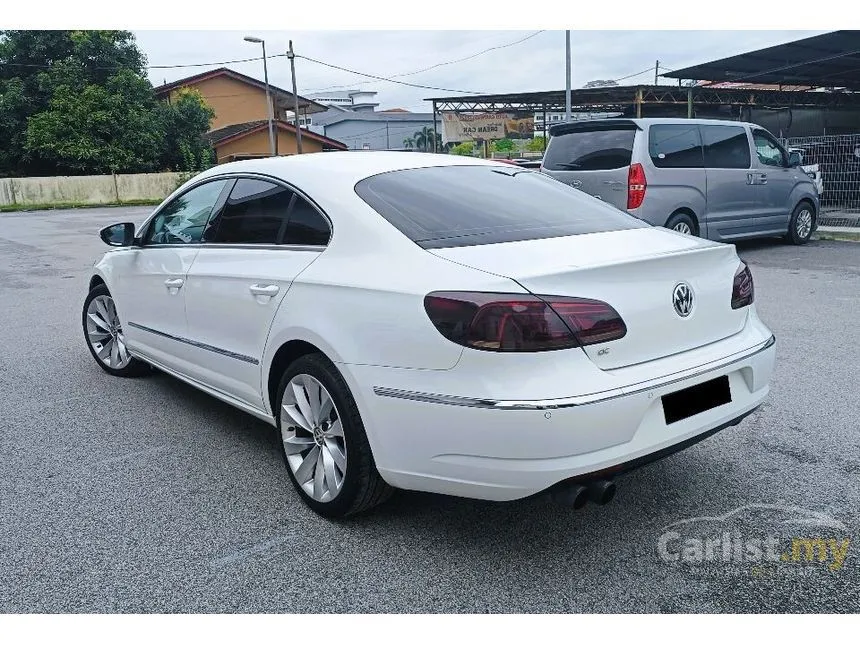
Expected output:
(147, 496)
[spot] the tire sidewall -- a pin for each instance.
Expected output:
(358, 457)
(792, 224)
(135, 367)
(683, 217)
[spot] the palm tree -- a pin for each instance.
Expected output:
(409, 143)
(424, 139)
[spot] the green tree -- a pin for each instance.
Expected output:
(99, 128)
(35, 64)
(503, 145)
(538, 144)
(467, 148)
(409, 143)
(184, 121)
(424, 139)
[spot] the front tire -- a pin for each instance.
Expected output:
(323, 440)
(104, 335)
(801, 224)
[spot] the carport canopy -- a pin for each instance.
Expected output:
(826, 60)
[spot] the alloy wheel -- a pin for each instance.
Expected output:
(313, 438)
(803, 226)
(683, 227)
(104, 333)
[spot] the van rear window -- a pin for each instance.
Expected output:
(599, 149)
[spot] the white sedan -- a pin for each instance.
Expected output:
(432, 322)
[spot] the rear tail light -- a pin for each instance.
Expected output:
(636, 186)
(743, 291)
(502, 322)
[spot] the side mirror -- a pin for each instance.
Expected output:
(794, 159)
(118, 234)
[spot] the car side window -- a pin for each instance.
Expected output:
(183, 220)
(255, 213)
(770, 153)
(726, 146)
(306, 226)
(675, 146)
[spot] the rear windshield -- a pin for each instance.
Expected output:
(449, 206)
(601, 149)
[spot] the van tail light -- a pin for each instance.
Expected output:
(501, 322)
(636, 186)
(743, 290)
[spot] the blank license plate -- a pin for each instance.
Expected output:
(699, 398)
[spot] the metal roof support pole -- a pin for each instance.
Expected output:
(435, 132)
(689, 102)
(544, 127)
(638, 101)
(567, 77)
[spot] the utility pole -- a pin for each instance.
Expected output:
(291, 55)
(656, 71)
(567, 69)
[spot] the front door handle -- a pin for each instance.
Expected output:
(174, 283)
(264, 289)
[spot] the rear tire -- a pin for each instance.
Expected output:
(323, 441)
(801, 224)
(104, 336)
(683, 223)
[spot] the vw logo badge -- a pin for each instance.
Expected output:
(576, 183)
(682, 299)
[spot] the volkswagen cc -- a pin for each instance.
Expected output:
(434, 323)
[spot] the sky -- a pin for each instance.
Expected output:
(533, 65)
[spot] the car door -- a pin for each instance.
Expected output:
(732, 202)
(265, 235)
(150, 285)
(774, 181)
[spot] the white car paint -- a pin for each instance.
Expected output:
(441, 417)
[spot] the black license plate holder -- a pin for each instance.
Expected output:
(696, 399)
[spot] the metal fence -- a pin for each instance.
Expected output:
(838, 161)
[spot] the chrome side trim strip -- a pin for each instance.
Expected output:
(552, 404)
(194, 343)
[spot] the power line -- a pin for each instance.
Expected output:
(223, 62)
(427, 69)
(382, 78)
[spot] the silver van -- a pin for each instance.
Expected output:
(723, 180)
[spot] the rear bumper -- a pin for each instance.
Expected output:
(507, 449)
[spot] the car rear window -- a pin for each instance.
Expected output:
(599, 149)
(450, 206)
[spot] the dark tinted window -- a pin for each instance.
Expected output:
(590, 150)
(675, 146)
(182, 221)
(466, 205)
(254, 214)
(726, 146)
(306, 225)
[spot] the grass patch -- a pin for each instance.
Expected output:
(837, 236)
(15, 208)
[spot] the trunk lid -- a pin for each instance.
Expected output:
(635, 271)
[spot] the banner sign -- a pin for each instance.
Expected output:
(471, 127)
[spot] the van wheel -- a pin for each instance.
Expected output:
(682, 223)
(801, 224)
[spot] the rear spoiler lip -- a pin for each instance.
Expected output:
(591, 126)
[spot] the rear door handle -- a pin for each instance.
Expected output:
(174, 283)
(264, 289)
